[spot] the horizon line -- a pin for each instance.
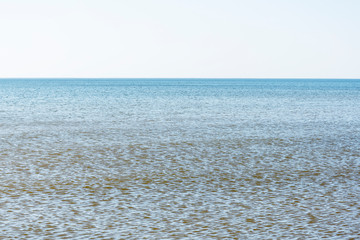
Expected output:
(295, 78)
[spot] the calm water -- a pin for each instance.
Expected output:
(179, 159)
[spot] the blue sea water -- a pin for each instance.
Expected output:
(179, 158)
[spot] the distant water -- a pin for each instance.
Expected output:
(179, 159)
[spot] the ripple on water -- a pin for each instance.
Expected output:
(179, 189)
(185, 162)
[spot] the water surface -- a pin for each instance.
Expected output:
(179, 158)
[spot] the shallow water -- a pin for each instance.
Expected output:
(179, 159)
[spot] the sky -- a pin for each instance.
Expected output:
(180, 38)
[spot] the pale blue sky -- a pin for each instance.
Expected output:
(180, 38)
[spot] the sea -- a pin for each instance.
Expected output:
(180, 159)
